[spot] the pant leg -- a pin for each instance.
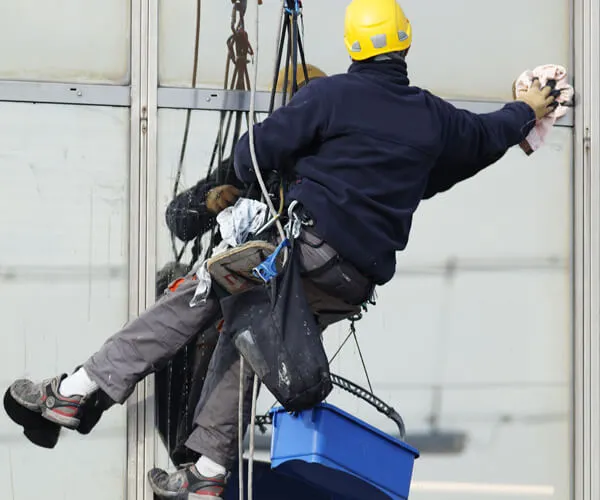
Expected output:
(216, 431)
(204, 348)
(149, 341)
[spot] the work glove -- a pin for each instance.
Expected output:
(221, 197)
(541, 100)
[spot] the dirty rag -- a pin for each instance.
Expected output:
(236, 223)
(536, 137)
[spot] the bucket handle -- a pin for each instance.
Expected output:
(373, 400)
(263, 420)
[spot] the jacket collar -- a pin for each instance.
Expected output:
(394, 70)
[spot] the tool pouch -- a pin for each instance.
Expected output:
(274, 329)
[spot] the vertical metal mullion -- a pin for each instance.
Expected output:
(579, 260)
(151, 215)
(592, 139)
(143, 234)
(587, 251)
(135, 172)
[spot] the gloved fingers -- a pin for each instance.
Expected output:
(229, 196)
(225, 199)
(555, 93)
(535, 83)
(222, 204)
(546, 91)
(233, 190)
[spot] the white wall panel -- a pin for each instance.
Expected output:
(471, 48)
(63, 279)
(65, 40)
(498, 345)
(519, 208)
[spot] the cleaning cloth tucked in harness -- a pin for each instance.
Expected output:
(236, 223)
(545, 74)
(274, 329)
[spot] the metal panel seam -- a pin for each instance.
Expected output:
(151, 217)
(236, 100)
(65, 93)
(134, 241)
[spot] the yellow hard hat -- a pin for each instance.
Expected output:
(375, 27)
(313, 72)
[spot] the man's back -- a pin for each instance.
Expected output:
(369, 172)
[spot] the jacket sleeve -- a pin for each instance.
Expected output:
(284, 135)
(472, 142)
(187, 216)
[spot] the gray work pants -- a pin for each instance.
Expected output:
(334, 289)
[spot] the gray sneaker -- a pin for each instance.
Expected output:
(45, 398)
(186, 484)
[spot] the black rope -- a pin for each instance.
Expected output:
(362, 360)
(179, 255)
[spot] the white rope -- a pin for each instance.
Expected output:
(252, 435)
(255, 165)
(241, 431)
(282, 235)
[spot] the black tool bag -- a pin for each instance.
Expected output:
(274, 329)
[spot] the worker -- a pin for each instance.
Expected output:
(362, 149)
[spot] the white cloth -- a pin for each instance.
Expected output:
(536, 137)
(235, 224)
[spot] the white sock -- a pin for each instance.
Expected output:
(79, 384)
(207, 468)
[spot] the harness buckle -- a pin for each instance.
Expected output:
(267, 270)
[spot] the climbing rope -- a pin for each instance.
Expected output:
(291, 9)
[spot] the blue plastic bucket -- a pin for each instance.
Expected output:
(341, 454)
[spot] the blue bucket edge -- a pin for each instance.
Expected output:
(361, 423)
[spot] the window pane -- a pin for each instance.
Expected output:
(527, 207)
(67, 40)
(471, 49)
(63, 278)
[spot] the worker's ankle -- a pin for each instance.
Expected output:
(209, 468)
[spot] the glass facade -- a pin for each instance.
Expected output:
(484, 341)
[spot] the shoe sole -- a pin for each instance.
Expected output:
(57, 418)
(30, 406)
(160, 493)
(47, 413)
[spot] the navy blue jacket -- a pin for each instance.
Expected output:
(366, 148)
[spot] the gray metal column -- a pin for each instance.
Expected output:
(586, 23)
(135, 405)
